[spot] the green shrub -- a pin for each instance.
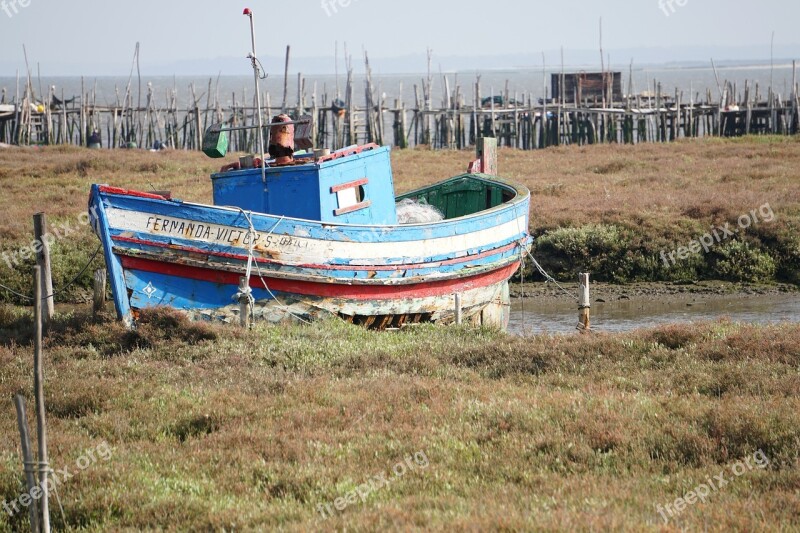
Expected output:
(738, 261)
(596, 248)
(68, 256)
(788, 251)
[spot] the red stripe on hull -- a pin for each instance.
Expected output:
(127, 192)
(359, 268)
(327, 290)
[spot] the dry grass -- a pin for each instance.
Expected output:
(213, 428)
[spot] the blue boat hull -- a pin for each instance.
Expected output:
(192, 257)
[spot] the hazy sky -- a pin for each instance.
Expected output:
(98, 36)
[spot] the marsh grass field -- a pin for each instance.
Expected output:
(283, 427)
(606, 209)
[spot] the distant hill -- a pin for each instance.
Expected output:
(417, 62)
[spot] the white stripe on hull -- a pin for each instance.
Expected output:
(305, 250)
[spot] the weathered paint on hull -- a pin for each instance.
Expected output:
(207, 295)
(191, 256)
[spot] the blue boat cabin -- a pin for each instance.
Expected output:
(343, 188)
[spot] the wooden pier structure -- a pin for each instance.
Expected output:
(521, 121)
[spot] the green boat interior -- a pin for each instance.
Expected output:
(463, 195)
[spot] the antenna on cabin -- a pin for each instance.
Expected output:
(216, 140)
(257, 76)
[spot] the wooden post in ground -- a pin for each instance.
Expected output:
(286, 80)
(38, 386)
(99, 290)
(82, 118)
(458, 311)
(492, 118)
(198, 129)
(43, 261)
(404, 136)
(585, 304)
(27, 459)
(749, 109)
(478, 110)
(487, 153)
(245, 305)
(794, 97)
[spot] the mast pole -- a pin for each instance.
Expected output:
(257, 76)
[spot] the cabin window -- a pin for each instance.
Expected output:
(351, 196)
(347, 198)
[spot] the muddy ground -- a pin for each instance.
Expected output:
(683, 291)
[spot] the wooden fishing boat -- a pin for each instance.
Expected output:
(305, 235)
(317, 238)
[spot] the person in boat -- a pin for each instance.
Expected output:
(94, 141)
(339, 107)
(131, 144)
(281, 140)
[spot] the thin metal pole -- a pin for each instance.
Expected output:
(256, 76)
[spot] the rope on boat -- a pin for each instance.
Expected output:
(548, 277)
(252, 260)
(246, 291)
(522, 250)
